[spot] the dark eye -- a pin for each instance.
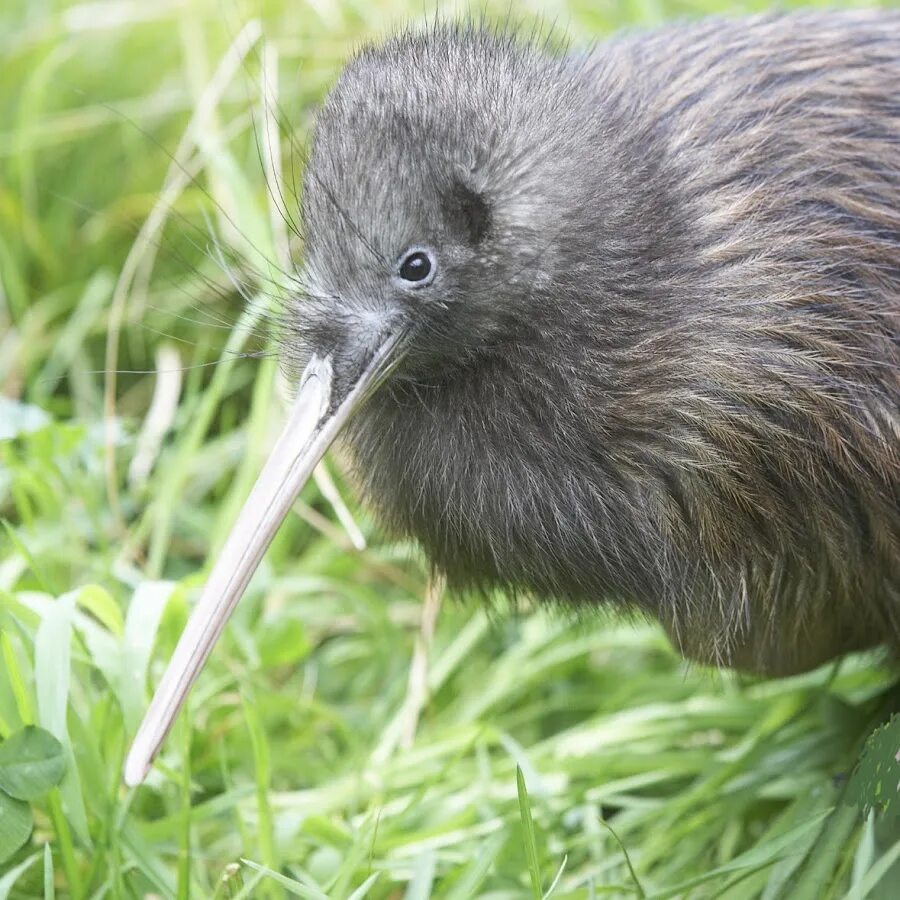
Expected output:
(417, 268)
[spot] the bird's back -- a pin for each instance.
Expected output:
(782, 146)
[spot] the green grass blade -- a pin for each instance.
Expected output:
(874, 876)
(473, 875)
(49, 878)
(637, 882)
(291, 885)
(421, 883)
(528, 836)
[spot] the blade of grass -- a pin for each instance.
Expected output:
(184, 790)
(49, 885)
(421, 883)
(528, 837)
(291, 885)
(20, 692)
(8, 879)
(556, 879)
(810, 882)
(262, 766)
(52, 664)
(473, 875)
(637, 882)
(363, 889)
(875, 874)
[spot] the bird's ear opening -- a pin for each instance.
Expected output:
(468, 211)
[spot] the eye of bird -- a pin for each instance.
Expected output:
(417, 267)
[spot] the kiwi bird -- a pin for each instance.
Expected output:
(611, 326)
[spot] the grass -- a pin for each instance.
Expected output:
(355, 734)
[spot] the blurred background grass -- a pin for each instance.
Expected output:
(340, 743)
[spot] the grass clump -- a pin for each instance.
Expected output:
(341, 743)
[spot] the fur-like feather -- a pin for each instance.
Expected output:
(660, 362)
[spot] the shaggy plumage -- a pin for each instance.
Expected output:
(659, 363)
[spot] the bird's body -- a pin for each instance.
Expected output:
(616, 326)
(667, 373)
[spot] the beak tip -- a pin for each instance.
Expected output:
(312, 426)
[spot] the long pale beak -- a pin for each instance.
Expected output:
(315, 420)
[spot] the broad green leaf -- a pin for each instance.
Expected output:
(875, 782)
(31, 762)
(15, 825)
